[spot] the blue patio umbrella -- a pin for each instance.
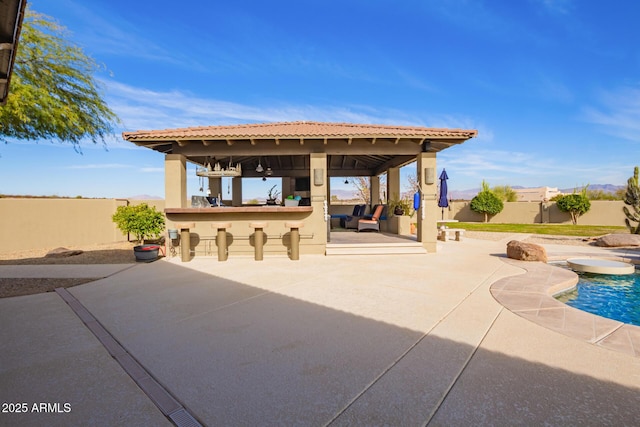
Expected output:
(443, 202)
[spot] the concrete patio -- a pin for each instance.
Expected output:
(353, 340)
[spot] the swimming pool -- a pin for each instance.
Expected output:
(613, 296)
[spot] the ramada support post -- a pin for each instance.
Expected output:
(428, 212)
(319, 177)
(374, 182)
(175, 181)
(393, 185)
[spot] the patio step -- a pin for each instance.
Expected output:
(374, 249)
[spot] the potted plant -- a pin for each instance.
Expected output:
(272, 196)
(143, 222)
(401, 210)
(291, 201)
(400, 207)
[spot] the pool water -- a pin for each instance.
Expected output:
(616, 297)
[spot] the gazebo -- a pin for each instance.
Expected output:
(305, 155)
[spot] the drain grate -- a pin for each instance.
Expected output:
(182, 418)
(159, 395)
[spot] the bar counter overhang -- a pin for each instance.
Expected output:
(240, 236)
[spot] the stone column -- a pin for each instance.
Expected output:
(288, 187)
(374, 184)
(428, 213)
(393, 184)
(318, 227)
(236, 191)
(175, 181)
(215, 185)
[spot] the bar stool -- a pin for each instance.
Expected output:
(222, 226)
(295, 227)
(258, 238)
(185, 239)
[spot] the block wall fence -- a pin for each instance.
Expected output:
(602, 212)
(27, 224)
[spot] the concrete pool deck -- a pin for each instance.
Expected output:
(354, 340)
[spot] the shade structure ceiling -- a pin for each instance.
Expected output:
(11, 15)
(284, 148)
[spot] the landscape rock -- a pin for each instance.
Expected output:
(617, 240)
(526, 251)
(62, 253)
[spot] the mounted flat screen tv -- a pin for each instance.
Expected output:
(303, 184)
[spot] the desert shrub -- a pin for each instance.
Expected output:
(575, 204)
(505, 193)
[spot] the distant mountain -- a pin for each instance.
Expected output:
(463, 194)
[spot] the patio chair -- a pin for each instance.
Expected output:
(374, 222)
(351, 221)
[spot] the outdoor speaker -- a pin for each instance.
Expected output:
(318, 177)
(429, 175)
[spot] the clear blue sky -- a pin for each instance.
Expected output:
(553, 86)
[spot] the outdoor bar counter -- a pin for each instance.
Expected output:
(241, 233)
(222, 210)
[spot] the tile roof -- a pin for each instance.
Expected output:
(300, 129)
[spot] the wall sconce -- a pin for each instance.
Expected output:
(318, 177)
(429, 176)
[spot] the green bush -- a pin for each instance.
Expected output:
(141, 220)
(486, 202)
(602, 195)
(505, 193)
(575, 204)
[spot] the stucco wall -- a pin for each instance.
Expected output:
(49, 223)
(602, 212)
(240, 237)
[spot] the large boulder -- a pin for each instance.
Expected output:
(616, 240)
(526, 251)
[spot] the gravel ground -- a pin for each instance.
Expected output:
(541, 239)
(115, 253)
(486, 235)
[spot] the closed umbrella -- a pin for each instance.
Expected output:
(443, 202)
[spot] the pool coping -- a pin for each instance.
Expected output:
(531, 296)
